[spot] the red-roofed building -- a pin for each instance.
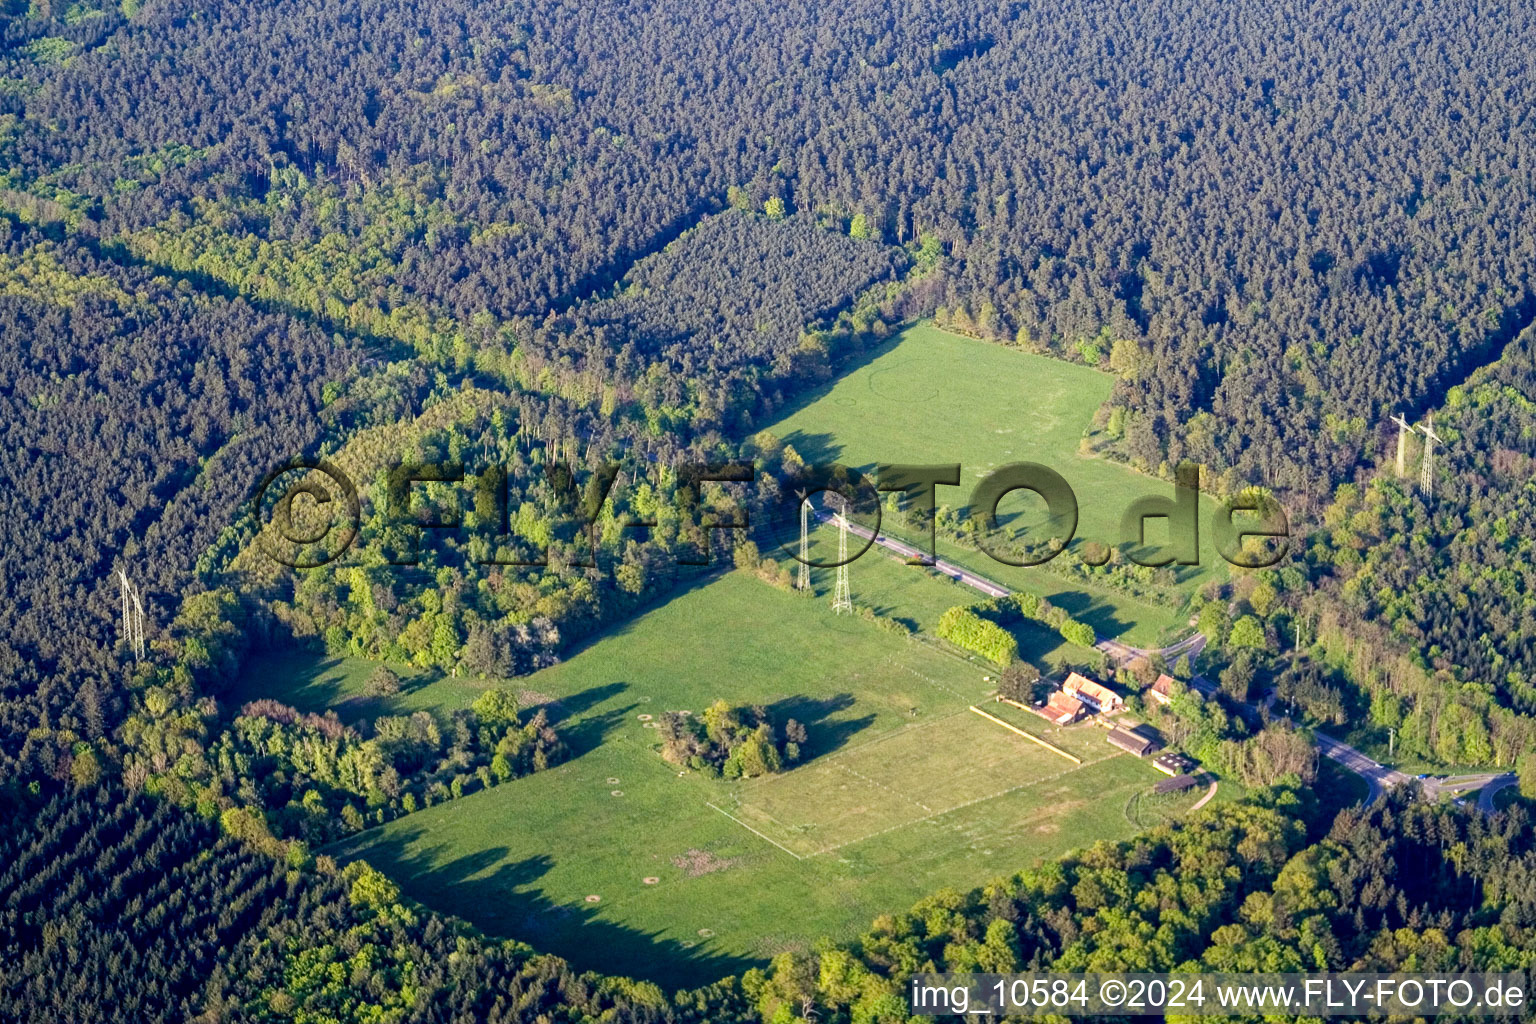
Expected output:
(1162, 689)
(1096, 695)
(1064, 709)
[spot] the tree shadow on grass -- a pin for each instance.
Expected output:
(310, 680)
(581, 727)
(689, 579)
(845, 368)
(889, 611)
(294, 675)
(824, 733)
(1086, 607)
(815, 449)
(500, 896)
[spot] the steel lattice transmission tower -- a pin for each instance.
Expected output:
(805, 544)
(842, 596)
(133, 616)
(1403, 430)
(1427, 469)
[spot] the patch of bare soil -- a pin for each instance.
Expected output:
(701, 862)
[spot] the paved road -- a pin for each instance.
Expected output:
(1378, 777)
(1457, 784)
(1498, 782)
(1121, 652)
(949, 569)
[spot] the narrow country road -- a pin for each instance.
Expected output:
(1489, 791)
(1209, 793)
(1378, 777)
(1191, 645)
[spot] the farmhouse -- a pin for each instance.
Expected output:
(1060, 709)
(1132, 742)
(1097, 696)
(1162, 689)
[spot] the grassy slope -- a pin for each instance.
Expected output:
(935, 397)
(519, 860)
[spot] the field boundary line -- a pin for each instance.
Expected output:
(943, 647)
(832, 763)
(754, 831)
(962, 806)
(927, 678)
(736, 802)
(828, 760)
(894, 792)
(1029, 736)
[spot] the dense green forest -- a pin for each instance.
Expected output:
(1267, 201)
(136, 413)
(540, 240)
(1425, 601)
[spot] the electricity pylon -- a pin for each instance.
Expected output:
(1427, 469)
(805, 544)
(133, 616)
(842, 596)
(1403, 430)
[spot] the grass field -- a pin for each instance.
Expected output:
(903, 790)
(621, 863)
(891, 782)
(934, 397)
(880, 580)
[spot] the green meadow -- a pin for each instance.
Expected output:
(931, 397)
(902, 790)
(622, 863)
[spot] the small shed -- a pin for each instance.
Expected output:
(1132, 742)
(1173, 763)
(1059, 709)
(1177, 784)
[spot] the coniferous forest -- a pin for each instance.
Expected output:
(554, 243)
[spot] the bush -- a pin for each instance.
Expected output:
(1079, 633)
(496, 707)
(739, 742)
(382, 683)
(1248, 632)
(1527, 775)
(964, 628)
(1213, 622)
(1237, 678)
